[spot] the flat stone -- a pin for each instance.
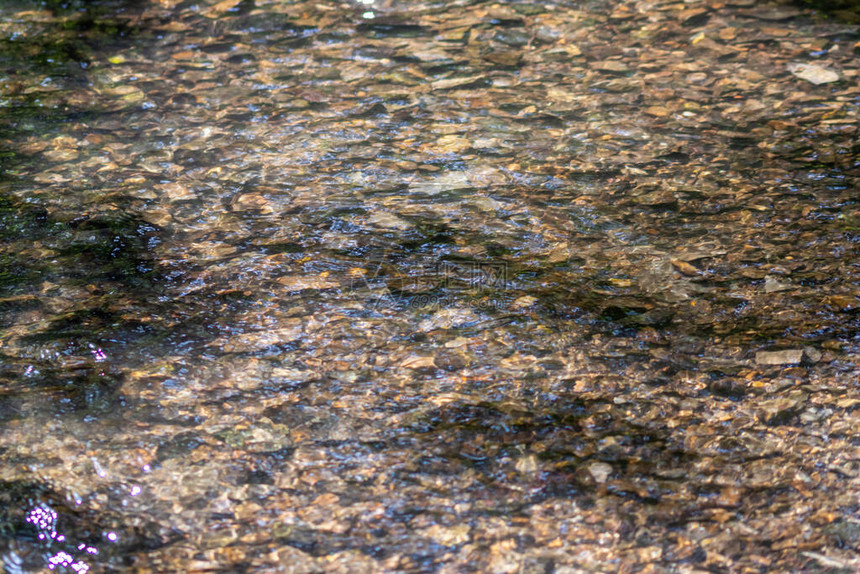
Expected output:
(786, 357)
(778, 411)
(600, 471)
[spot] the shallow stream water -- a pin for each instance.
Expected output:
(429, 287)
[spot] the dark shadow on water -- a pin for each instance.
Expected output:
(75, 287)
(39, 523)
(79, 280)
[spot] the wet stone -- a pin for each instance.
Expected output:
(786, 357)
(779, 411)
